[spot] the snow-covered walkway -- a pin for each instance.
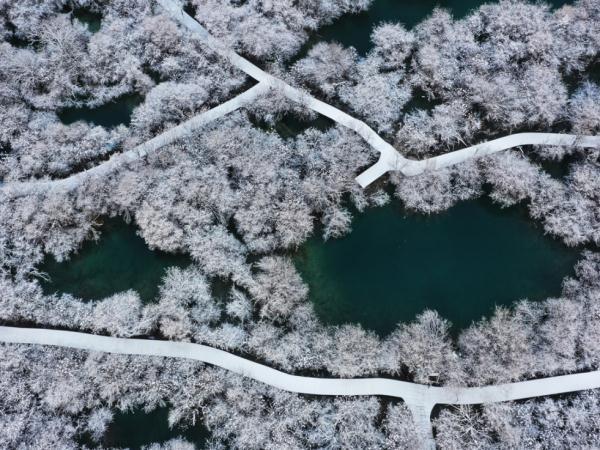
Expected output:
(165, 138)
(410, 167)
(390, 159)
(419, 398)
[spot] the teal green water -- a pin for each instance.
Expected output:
(594, 72)
(355, 29)
(558, 169)
(92, 20)
(120, 260)
(136, 429)
(109, 115)
(462, 263)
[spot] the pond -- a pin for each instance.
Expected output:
(290, 126)
(118, 261)
(108, 115)
(92, 20)
(462, 263)
(136, 429)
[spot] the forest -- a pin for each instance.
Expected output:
(237, 197)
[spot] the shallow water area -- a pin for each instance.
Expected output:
(291, 126)
(462, 263)
(119, 261)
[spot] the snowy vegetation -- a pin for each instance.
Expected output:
(236, 197)
(569, 421)
(47, 406)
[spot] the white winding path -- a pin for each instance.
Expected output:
(167, 137)
(419, 398)
(411, 167)
(389, 159)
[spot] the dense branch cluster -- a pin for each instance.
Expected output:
(501, 68)
(567, 422)
(236, 197)
(270, 30)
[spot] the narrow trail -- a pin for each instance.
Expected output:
(419, 398)
(167, 137)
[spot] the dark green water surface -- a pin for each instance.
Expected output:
(92, 20)
(136, 429)
(462, 263)
(120, 260)
(355, 29)
(109, 115)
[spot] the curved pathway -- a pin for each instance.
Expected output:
(389, 159)
(419, 398)
(165, 138)
(416, 167)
